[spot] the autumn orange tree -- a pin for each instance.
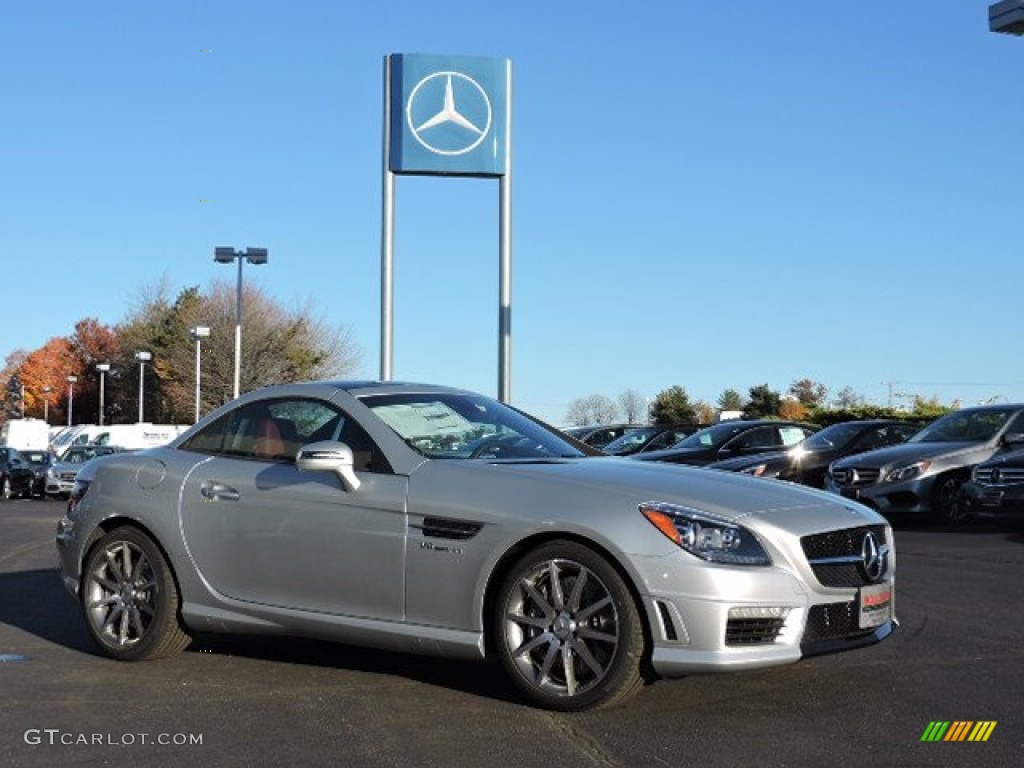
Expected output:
(279, 346)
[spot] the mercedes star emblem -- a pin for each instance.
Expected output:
(873, 557)
(448, 113)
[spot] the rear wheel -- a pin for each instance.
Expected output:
(567, 629)
(947, 506)
(130, 598)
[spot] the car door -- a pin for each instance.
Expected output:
(260, 531)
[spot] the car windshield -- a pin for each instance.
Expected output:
(965, 426)
(631, 439)
(466, 426)
(710, 437)
(832, 437)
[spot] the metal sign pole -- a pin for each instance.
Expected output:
(505, 256)
(387, 253)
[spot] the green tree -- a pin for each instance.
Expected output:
(730, 400)
(672, 406)
(763, 403)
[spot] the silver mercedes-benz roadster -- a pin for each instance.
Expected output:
(437, 521)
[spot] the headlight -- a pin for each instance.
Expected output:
(51, 473)
(908, 472)
(705, 535)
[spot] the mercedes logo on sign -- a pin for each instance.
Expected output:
(448, 113)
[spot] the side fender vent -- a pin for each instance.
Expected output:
(445, 528)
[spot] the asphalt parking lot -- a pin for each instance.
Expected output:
(958, 656)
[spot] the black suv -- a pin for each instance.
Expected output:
(924, 475)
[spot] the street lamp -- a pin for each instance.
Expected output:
(142, 357)
(226, 255)
(71, 396)
(46, 403)
(1007, 17)
(198, 333)
(102, 368)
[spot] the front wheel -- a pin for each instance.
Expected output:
(567, 629)
(130, 598)
(947, 506)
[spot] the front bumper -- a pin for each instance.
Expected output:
(994, 502)
(764, 617)
(910, 496)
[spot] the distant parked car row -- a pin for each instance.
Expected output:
(731, 439)
(807, 462)
(927, 474)
(969, 463)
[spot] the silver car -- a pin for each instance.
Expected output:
(437, 521)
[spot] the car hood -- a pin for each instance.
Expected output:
(622, 483)
(906, 452)
(741, 462)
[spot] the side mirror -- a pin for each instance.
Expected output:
(329, 456)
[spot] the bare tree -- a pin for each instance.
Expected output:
(634, 407)
(596, 409)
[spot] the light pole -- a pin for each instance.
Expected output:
(71, 396)
(142, 357)
(226, 255)
(46, 403)
(102, 368)
(198, 333)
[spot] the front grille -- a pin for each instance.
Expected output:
(854, 477)
(840, 543)
(445, 528)
(824, 549)
(833, 621)
(999, 475)
(68, 477)
(752, 631)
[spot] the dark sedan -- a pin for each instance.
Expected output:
(996, 488)
(39, 461)
(807, 462)
(16, 476)
(599, 435)
(652, 438)
(730, 439)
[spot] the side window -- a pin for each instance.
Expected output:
(793, 435)
(873, 439)
(761, 438)
(274, 430)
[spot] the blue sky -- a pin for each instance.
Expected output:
(716, 195)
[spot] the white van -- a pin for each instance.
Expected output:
(135, 437)
(25, 434)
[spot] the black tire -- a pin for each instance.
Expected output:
(946, 505)
(130, 598)
(567, 629)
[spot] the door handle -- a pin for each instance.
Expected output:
(218, 492)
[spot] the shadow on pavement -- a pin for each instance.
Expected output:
(36, 602)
